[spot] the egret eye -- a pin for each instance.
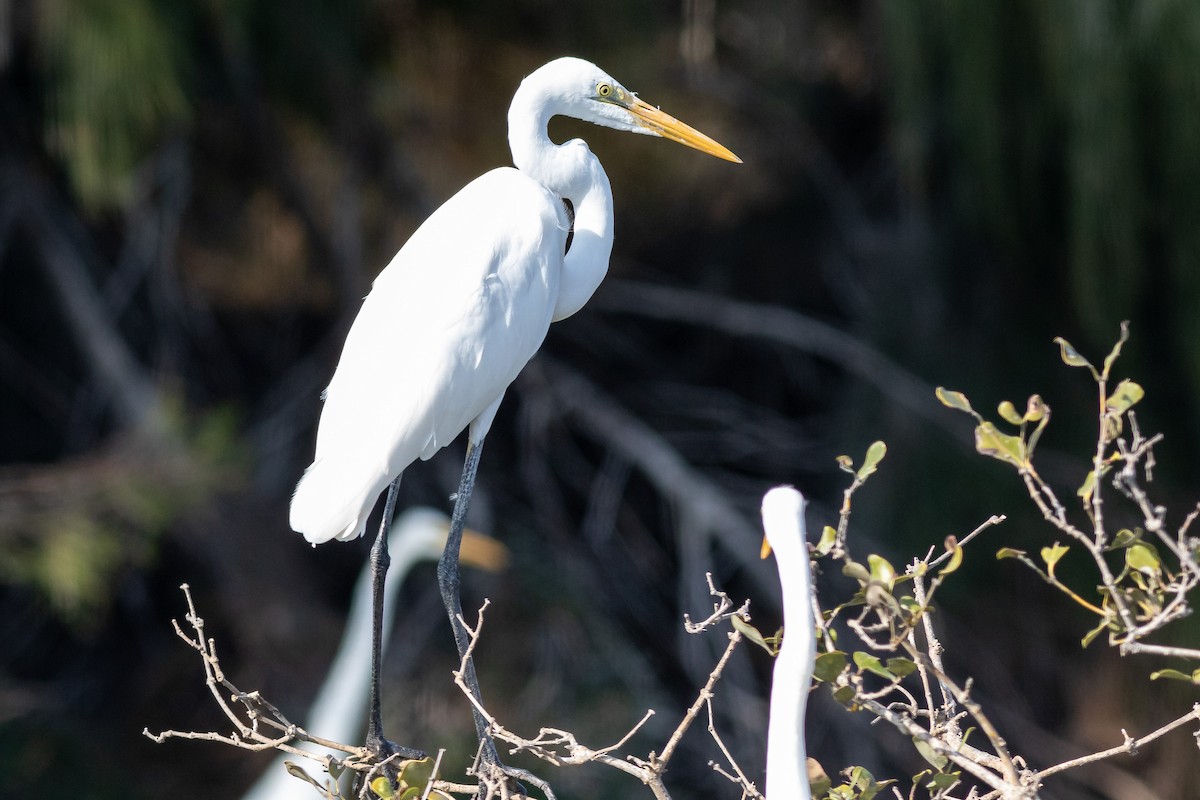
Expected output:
(604, 90)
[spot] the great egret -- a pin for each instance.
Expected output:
(419, 534)
(460, 310)
(783, 522)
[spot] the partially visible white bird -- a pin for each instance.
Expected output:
(338, 712)
(787, 762)
(461, 309)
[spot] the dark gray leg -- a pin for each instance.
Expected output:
(449, 583)
(380, 561)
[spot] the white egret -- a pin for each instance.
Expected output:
(460, 310)
(337, 712)
(787, 762)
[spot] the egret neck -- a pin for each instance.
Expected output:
(568, 170)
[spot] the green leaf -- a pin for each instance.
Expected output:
(1116, 351)
(929, 754)
(1091, 635)
(1002, 446)
(901, 667)
(752, 633)
(882, 570)
(1070, 355)
(872, 664)
(296, 771)
(1035, 409)
(1089, 486)
(855, 570)
(1125, 396)
(418, 771)
(1144, 558)
(956, 557)
(828, 537)
(955, 400)
(829, 665)
(1008, 412)
(1176, 675)
(846, 463)
(382, 788)
(1124, 538)
(818, 781)
(943, 781)
(875, 454)
(1009, 552)
(1051, 555)
(864, 782)
(844, 695)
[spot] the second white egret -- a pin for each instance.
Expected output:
(787, 759)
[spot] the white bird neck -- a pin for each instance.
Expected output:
(787, 774)
(571, 171)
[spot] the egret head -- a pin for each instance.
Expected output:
(577, 88)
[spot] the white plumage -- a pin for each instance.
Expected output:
(787, 762)
(467, 301)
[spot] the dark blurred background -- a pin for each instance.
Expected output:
(194, 196)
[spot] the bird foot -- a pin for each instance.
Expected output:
(493, 773)
(388, 755)
(384, 749)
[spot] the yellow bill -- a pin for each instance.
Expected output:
(666, 126)
(765, 550)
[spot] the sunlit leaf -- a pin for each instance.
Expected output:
(1002, 446)
(955, 400)
(1111, 426)
(1176, 675)
(1070, 355)
(872, 664)
(844, 695)
(846, 463)
(943, 781)
(818, 781)
(1116, 351)
(1051, 555)
(875, 454)
(1091, 635)
(829, 665)
(861, 779)
(1124, 538)
(1088, 486)
(855, 570)
(901, 667)
(296, 771)
(828, 538)
(1009, 552)
(1008, 412)
(882, 570)
(1035, 409)
(1125, 396)
(1144, 558)
(956, 557)
(382, 787)
(752, 633)
(929, 754)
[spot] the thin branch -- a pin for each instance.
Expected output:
(1130, 746)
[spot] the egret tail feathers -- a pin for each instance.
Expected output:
(332, 501)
